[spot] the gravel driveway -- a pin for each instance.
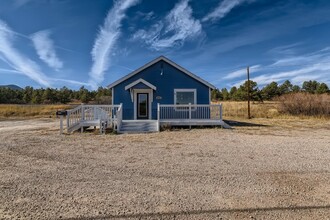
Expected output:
(254, 172)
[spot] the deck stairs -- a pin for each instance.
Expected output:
(102, 124)
(85, 116)
(138, 126)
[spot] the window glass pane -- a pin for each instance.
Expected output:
(185, 98)
(142, 105)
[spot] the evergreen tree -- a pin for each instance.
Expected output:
(295, 88)
(36, 96)
(225, 94)
(64, 95)
(242, 92)
(232, 93)
(27, 94)
(47, 96)
(285, 88)
(216, 95)
(322, 88)
(310, 86)
(270, 91)
(84, 95)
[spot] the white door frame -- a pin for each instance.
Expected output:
(150, 94)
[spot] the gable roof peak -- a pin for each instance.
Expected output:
(162, 57)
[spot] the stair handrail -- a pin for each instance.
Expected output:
(83, 112)
(73, 117)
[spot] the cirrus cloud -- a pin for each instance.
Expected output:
(20, 63)
(106, 40)
(223, 9)
(178, 26)
(45, 49)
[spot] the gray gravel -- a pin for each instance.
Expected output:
(245, 173)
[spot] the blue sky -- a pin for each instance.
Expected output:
(72, 43)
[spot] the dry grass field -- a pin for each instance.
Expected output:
(262, 169)
(267, 109)
(8, 111)
(231, 110)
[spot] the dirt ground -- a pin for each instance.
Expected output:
(261, 169)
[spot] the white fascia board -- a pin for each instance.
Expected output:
(140, 81)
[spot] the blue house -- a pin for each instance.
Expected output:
(160, 81)
(157, 94)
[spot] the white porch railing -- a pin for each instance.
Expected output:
(73, 117)
(189, 112)
(84, 113)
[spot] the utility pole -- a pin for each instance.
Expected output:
(248, 91)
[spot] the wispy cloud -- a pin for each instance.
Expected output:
(296, 75)
(241, 72)
(106, 40)
(16, 60)
(145, 16)
(3, 70)
(305, 59)
(44, 46)
(223, 9)
(243, 34)
(178, 26)
(289, 49)
(73, 82)
(310, 66)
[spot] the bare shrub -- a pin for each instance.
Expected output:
(305, 104)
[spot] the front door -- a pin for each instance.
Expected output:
(142, 106)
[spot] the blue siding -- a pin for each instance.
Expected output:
(170, 79)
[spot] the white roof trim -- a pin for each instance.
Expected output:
(155, 61)
(140, 81)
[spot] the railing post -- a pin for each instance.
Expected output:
(67, 122)
(119, 116)
(121, 112)
(220, 106)
(189, 115)
(82, 116)
(158, 117)
(61, 124)
(82, 112)
(189, 110)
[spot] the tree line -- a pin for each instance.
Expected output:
(268, 92)
(29, 95)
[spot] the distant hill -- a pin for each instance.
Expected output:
(14, 87)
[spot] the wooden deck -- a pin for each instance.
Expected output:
(104, 116)
(193, 122)
(190, 115)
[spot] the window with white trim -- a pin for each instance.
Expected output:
(184, 96)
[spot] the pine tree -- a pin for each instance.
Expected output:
(322, 88)
(310, 86)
